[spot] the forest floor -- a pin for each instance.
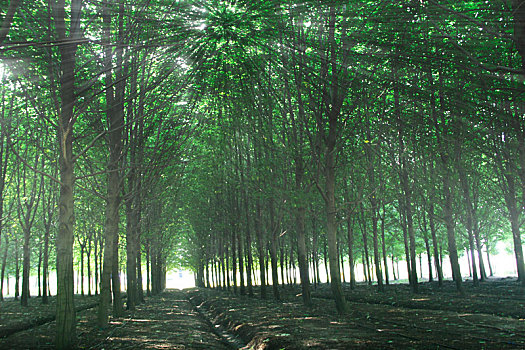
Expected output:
(490, 317)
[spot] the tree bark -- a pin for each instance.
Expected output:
(65, 310)
(4, 264)
(469, 209)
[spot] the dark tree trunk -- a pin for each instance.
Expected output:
(248, 249)
(451, 237)
(488, 262)
(88, 256)
(140, 289)
(38, 269)
(148, 269)
(66, 318)
(4, 264)
(469, 210)
(394, 267)
(131, 247)
(96, 262)
(364, 233)
(115, 124)
(435, 244)
(510, 200)
(274, 236)
(282, 262)
(341, 257)
(261, 249)
(325, 262)
(234, 261)
(26, 267)
(17, 270)
(82, 269)
(383, 245)
(350, 234)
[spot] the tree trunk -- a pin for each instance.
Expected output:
(469, 209)
(364, 233)
(234, 261)
(394, 267)
(131, 248)
(248, 249)
(350, 236)
(451, 237)
(488, 262)
(240, 253)
(260, 247)
(26, 267)
(140, 289)
(96, 262)
(38, 270)
(88, 256)
(82, 269)
(4, 264)
(115, 123)
(510, 200)
(383, 245)
(274, 236)
(148, 270)
(65, 310)
(435, 244)
(17, 270)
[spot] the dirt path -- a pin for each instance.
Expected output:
(166, 321)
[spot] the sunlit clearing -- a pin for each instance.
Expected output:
(180, 279)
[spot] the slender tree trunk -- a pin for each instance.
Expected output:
(435, 244)
(469, 209)
(274, 236)
(488, 262)
(510, 200)
(26, 267)
(383, 245)
(394, 267)
(467, 251)
(227, 262)
(350, 236)
(366, 260)
(131, 251)
(341, 261)
(260, 247)
(17, 271)
(96, 264)
(282, 262)
(240, 253)
(148, 270)
(234, 261)
(38, 270)
(429, 259)
(140, 289)
(482, 273)
(82, 270)
(88, 262)
(4, 264)
(248, 249)
(451, 237)
(325, 262)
